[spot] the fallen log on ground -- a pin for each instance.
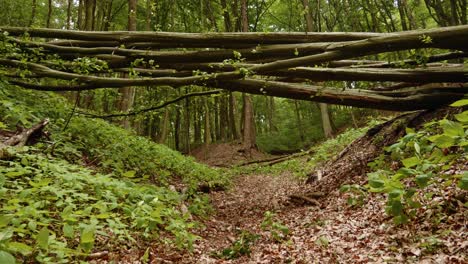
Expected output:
(22, 137)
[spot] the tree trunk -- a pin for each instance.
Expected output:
(207, 134)
(148, 15)
(299, 121)
(326, 124)
(232, 117)
(249, 139)
(128, 93)
(177, 130)
(69, 5)
(79, 21)
(49, 13)
(187, 125)
(401, 10)
(33, 13)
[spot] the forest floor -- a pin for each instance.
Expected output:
(330, 233)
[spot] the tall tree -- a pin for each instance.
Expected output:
(49, 13)
(249, 139)
(326, 122)
(128, 93)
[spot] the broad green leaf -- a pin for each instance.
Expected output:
(409, 130)
(5, 220)
(21, 248)
(2, 180)
(68, 231)
(396, 208)
(452, 128)
(42, 239)
(376, 183)
(443, 141)
(6, 258)
(461, 102)
(14, 174)
(462, 117)
(32, 225)
(395, 193)
(417, 148)
(6, 234)
(129, 174)
(422, 180)
(410, 162)
(463, 183)
(87, 235)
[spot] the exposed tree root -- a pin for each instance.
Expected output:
(353, 160)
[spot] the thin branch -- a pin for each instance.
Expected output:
(153, 108)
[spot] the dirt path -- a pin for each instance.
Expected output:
(331, 234)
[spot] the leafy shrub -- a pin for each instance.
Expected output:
(278, 231)
(54, 211)
(424, 156)
(240, 247)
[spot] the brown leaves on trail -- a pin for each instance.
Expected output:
(335, 233)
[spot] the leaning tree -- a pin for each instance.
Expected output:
(273, 64)
(402, 71)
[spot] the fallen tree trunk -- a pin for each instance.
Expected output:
(22, 137)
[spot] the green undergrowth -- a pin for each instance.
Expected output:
(92, 186)
(304, 165)
(415, 172)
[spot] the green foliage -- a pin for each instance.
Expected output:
(424, 156)
(278, 231)
(357, 194)
(54, 210)
(97, 143)
(240, 247)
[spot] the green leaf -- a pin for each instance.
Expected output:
(129, 174)
(459, 103)
(5, 220)
(422, 180)
(410, 162)
(87, 235)
(6, 258)
(21, 248)
(463, 183)
(68, 231)
(409, 130)
(376, 183)
(322, 241)
(452, 128)
(417, 148)
(396, 208)
(42, 239)
(462, 117)
(443, 141)
(6, 234)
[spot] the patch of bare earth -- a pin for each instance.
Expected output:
(226, 154)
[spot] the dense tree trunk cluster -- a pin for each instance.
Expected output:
(273, 64)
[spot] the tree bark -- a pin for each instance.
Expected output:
(33, 13)
(127, 94)
(49, 13)
(249, 137)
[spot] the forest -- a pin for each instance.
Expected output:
(244, 131)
